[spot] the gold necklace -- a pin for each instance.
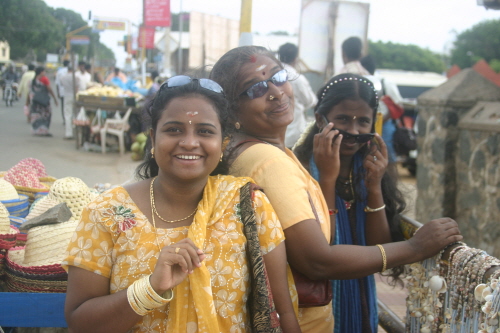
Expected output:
(154, 211)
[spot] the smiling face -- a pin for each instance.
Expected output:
(353, 116)
(188, 139)
(261, 116)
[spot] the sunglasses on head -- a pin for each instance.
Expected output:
(358, 138)
(182, 80)
(259, 89)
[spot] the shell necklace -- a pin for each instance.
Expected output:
(152, 198)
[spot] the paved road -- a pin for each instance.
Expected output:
(60, 157)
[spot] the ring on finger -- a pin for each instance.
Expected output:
(374, 158)
(177, 249)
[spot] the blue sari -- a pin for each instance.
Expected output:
(346, 293)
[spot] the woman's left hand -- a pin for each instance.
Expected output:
(375, 163)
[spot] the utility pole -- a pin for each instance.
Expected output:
(246, 23)
(179, 50)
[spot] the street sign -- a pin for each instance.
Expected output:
(109, 25)
(156, 13)
(79, 40)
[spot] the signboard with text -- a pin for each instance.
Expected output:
(146, 37)
(156, 13)
(109, 25)
(79, 40)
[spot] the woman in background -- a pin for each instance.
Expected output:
(40, 109)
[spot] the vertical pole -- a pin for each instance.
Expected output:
(246, 23)
(166, 53)
(179, 50)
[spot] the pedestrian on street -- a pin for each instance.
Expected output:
(25, 87)
(69, 88)
(40, 109)
(302, 92)
(261, 101)
(351, 55)
(59, 88)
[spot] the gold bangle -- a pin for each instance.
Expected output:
(384, 258)
(373, 210)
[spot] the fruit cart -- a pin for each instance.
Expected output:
(101, 102)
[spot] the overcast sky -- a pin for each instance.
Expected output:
(431, 24)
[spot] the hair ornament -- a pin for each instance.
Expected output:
(350, 79)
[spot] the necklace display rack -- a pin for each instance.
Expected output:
(455, 291)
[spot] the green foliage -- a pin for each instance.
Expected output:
(406, 57)
(28, 26)
(32, 27)
(482, 41)
(495, 65)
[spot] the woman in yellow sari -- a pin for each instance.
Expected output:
(180, 251)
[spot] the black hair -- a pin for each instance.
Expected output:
(88, 66)
(31, 67)
(65, 63)
(154, 75)
(116, 70)
(352, 48)
(38, 70)
(356, 87)
(288, 52)
(226, 72)
(369, 64)
(157, 105)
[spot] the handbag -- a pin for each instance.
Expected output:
(41, 97)
(404, 139)
(312, 293)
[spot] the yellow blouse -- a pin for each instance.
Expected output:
(289, 187)
(115, 239)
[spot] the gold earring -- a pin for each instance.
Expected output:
(271, 97)
(153, 152)
(237, 125)
(221, 155)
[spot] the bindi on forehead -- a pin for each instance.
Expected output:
(191, 113)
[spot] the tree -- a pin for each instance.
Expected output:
(29, 26)
(406, 57)
(482, 41)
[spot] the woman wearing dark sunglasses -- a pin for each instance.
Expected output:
(257, 150)
(180, 250)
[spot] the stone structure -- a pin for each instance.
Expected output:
(478, 177)
(440, 111)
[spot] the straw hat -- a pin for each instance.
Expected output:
(7, 191)
(20, 176)
(41, 205)
(74, 192)
(46, 245)
(35, 165)
(5, 228)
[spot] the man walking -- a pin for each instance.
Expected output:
(60, 90)
(69, 88)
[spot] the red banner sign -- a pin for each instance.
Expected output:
(156, 13)
(146, 37)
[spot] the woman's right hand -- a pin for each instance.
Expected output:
(175, 262)
(326, 152)
(433, 236)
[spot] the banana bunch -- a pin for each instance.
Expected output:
(108, 91)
